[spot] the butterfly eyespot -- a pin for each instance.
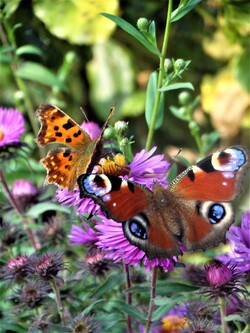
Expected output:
(216, 213)
(137, 230)
(137, 227)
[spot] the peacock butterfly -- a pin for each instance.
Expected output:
(65, 164)
(194, 210)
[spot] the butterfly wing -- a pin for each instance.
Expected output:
(135, 206)
(218, 177)
(58, 127)
(205, 192)
(65, 165)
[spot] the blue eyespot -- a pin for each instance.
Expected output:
(137, 229)
(216, 213)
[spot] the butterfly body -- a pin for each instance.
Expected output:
(194, 210)
(65, 164)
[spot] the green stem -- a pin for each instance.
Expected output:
(33, 239)
(160, 77)
(129, 295)
(58, 301)
(246, 329)
(223, 315)
(152, 298)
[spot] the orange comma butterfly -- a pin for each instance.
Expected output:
(65, 164)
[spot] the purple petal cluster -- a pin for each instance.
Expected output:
(11, 126)
(239, 242)
(147, 169)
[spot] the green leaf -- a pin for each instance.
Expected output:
(242, 69)
(77, 21)
(164, 287)
(234, 317)
(131, 30)
(29, 49)
(179, 85)
(165, 304)
(10, 6)
(108, 83)
(150, 101)
(134, 104)
(128, 309)
(182, 10)
(93, 305)
(109, 284)
(179, 113)
(209, 140)
(40, 208)
(5, 54)
(38, 73)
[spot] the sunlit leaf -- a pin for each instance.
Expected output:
(180, 85)
(10, 6)
(38, 209)
(183, 10)
(78, 21)
(29, 49)
(150, 101)
(134, 105)
(242, 70)
(111, 77)
(38, 73)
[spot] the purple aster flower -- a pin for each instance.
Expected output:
(147, 169)
(23, 187)
(82, 235)
(239, 241)
(92, 129)
(11, 126)
(85, 206)
(113, 241)
(25, 193)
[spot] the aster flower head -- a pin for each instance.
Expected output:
(174, 321)
(15, 269)
(115, 244)
(31, 294)
(222, 281)
(46, 266)
(95, 262)
(83, 324)
(11, 129)
(11, 126)
(25, 192)
(239, 241)
(92, 129)
(82, 235)
(146, 169)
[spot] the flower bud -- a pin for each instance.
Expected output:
(194, 127)
(179, 64)
(184, 97)
(143, 24)
(121, 128)
(168, 64)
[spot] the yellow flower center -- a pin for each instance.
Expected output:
(173, 324)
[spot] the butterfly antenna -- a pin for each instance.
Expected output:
(175, 158)
(84, 114)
